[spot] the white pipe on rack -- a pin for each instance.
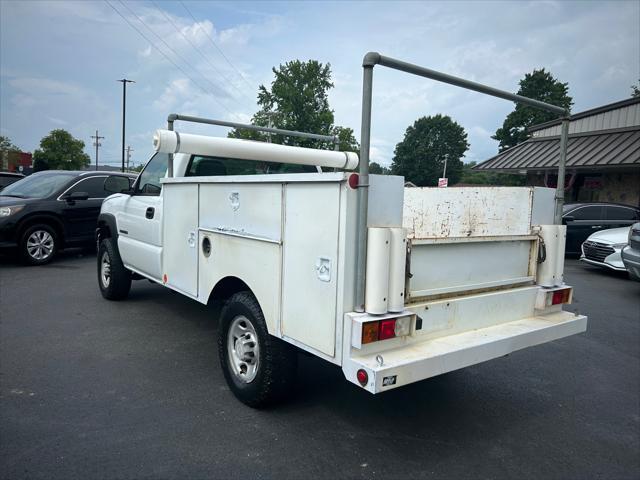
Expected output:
(168, 141)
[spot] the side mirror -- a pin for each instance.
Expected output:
(72, 197)
(568, 219)
(117, 184)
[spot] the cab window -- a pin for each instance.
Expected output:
(201, 166)
(154, 171)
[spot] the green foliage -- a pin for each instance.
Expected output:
(539, 85)
(346, 138)
(474, 177)
(60, 151)
(7, 146)
(635, 91)
(420, 156)
(378, 169)
(298, 100)
(39, 164)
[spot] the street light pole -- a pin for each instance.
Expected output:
(124, 109)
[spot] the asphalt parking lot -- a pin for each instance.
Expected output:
(97, 389)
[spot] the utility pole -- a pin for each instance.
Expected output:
(129, 150)
(124, 109)
(97, 144)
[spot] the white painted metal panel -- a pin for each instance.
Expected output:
(543, 206)
(251, 209)
(140, 238)
(386, 200)
(467, 211)
(310, 263)
(440, 268)
(180, 238)
(257, 263)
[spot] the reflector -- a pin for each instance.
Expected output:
(362, 376)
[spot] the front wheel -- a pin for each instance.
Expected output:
(259, 368)
(38, 244)
(113, 277)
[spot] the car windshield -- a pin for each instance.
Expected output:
(38, 185)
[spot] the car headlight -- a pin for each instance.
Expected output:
(619, 246)
(8, 211)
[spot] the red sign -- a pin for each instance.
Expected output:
(443, 182)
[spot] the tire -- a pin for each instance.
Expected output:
(114, 279)
(262, 370)
(39, 244)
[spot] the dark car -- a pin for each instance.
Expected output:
(583, 219)
(51, 210)
(7, 178)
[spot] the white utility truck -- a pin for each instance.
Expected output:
(449, 277)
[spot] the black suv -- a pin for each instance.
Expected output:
(51, 210)
(7, 178)
(583, 219)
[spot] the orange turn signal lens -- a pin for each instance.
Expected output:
(369, 332)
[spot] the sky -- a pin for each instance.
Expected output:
(60, 62)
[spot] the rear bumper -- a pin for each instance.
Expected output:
(419, 361)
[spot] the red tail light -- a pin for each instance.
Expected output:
(561, 296)
(387, 329)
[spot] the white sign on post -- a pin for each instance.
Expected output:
(443, 182)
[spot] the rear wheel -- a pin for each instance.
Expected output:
(113, 278)
(38, 244)
(259, 368)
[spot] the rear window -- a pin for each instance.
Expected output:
(621, 213)
(201, 166)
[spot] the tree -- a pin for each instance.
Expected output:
(635, 91)
(346, 138)
(478, 177)
(6, 145)
(539, 85)
(298, 100)
(60, 151)
(420, 156)
(378, 169)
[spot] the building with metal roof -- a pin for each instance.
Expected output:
(603, 155)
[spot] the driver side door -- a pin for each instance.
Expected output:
(140, 221)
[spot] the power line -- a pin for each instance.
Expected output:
(217, 47)
(214, 85)
(197, 48)
(206, 92)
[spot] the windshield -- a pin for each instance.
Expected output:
(38, 185)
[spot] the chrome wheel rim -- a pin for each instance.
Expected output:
(40, 245)
(243, 349)
(105, 270)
